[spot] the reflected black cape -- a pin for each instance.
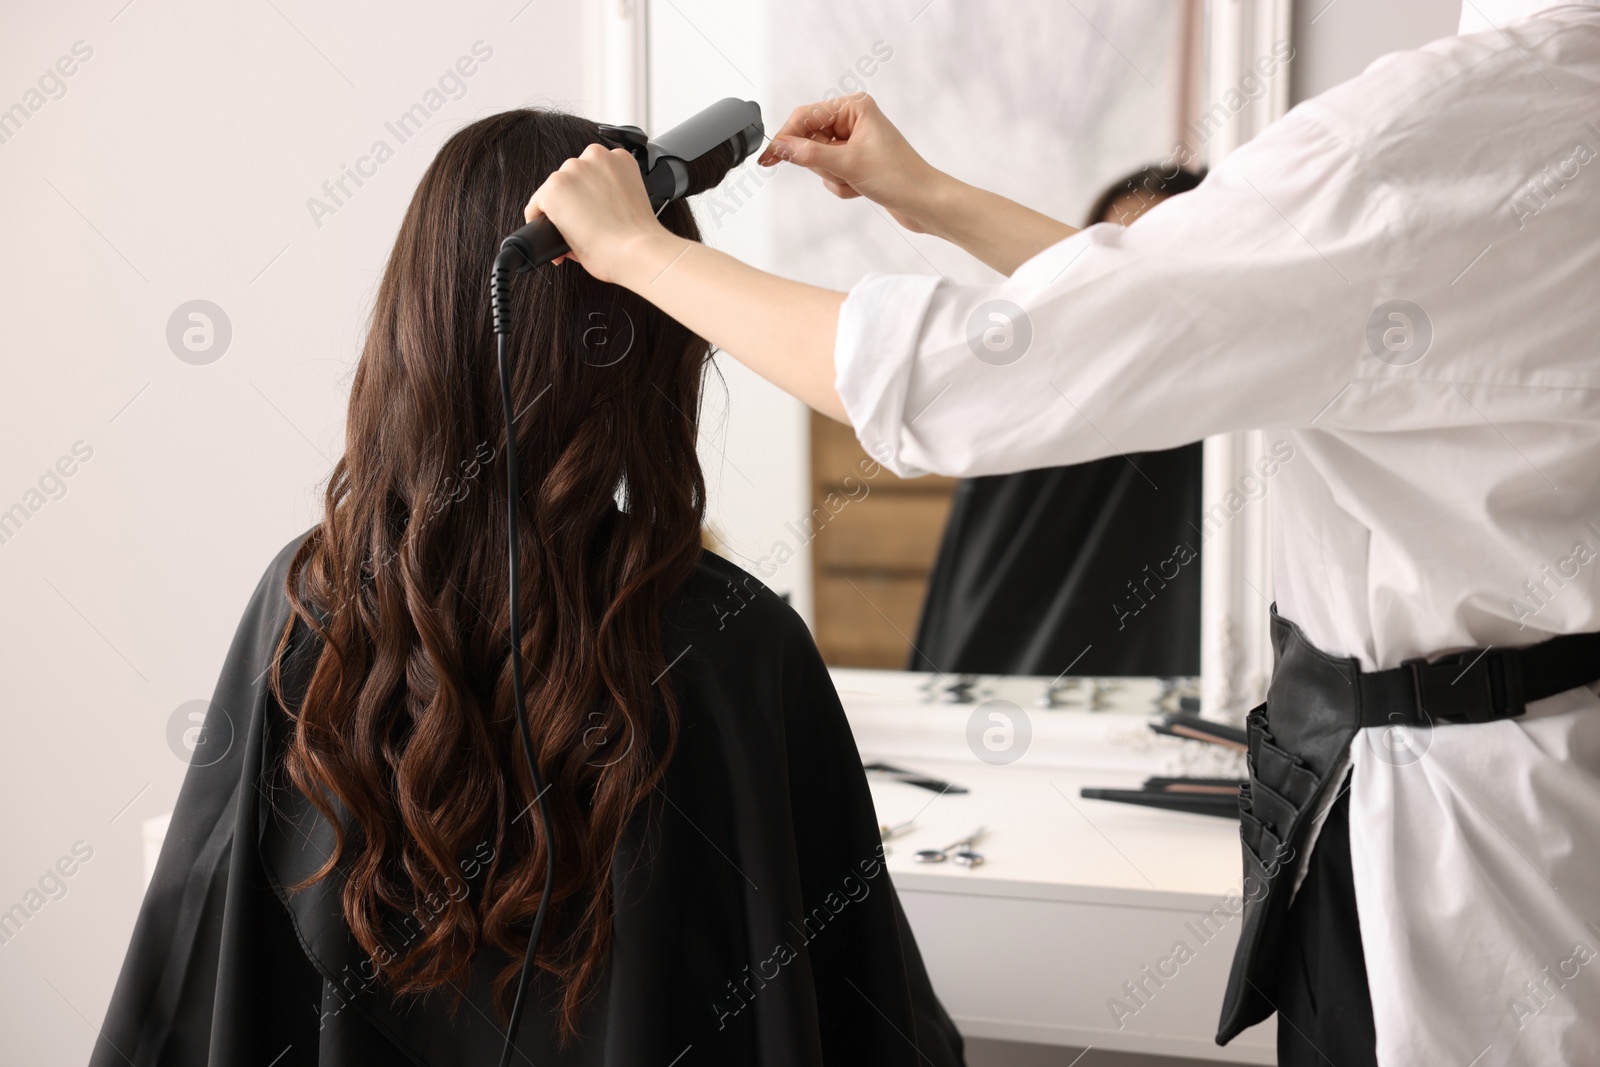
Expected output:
(1093, 566)
(755, 923)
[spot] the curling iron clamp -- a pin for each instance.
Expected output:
(689, 158)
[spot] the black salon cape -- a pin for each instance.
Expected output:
(1077, 566)
(760, 851)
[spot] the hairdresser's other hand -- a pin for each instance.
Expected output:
(597, 201)
(856, 151)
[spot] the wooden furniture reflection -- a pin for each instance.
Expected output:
(874, 540)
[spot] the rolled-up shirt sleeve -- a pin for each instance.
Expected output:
(1242, 304)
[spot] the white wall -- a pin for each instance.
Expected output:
(176, 166)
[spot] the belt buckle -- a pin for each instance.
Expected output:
(1457, 689)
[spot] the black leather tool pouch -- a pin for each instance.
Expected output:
(1298, 741)
(1297, 744)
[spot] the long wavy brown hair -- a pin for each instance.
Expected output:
(405, 735)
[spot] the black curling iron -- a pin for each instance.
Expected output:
(689, 158)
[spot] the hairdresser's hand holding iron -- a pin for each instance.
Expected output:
(782, 330)
(856, 151)
(598, 202)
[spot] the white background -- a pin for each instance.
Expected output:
(177, 166)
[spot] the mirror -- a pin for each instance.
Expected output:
(1090, 570)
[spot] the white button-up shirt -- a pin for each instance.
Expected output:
(1400, 281)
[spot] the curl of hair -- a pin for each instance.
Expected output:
(404, 737)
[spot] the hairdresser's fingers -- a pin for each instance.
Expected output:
(856, 151)
(825, 121)
(599, 178)
(841, 166)
(595, 167)
(826, 160)
(798, 124)
(845, 140)
(598, 201)
(780, 149)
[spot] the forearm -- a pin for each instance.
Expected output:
(1000, 232)
(783, 330)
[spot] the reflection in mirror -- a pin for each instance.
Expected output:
(1091, 570)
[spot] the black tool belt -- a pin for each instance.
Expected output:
(1298, 739)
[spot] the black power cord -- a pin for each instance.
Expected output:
(499, 295)
(687, 159)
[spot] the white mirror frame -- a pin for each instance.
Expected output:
(616, 61)
(1236, 566)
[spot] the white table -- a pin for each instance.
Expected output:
(1076, 897)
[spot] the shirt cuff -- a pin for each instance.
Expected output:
(874, 354)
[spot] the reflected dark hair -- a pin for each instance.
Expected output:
(1153, 182)
(405, 738)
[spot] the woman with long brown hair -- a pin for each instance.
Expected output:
(356, 879)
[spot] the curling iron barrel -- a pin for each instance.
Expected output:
(689, 158)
